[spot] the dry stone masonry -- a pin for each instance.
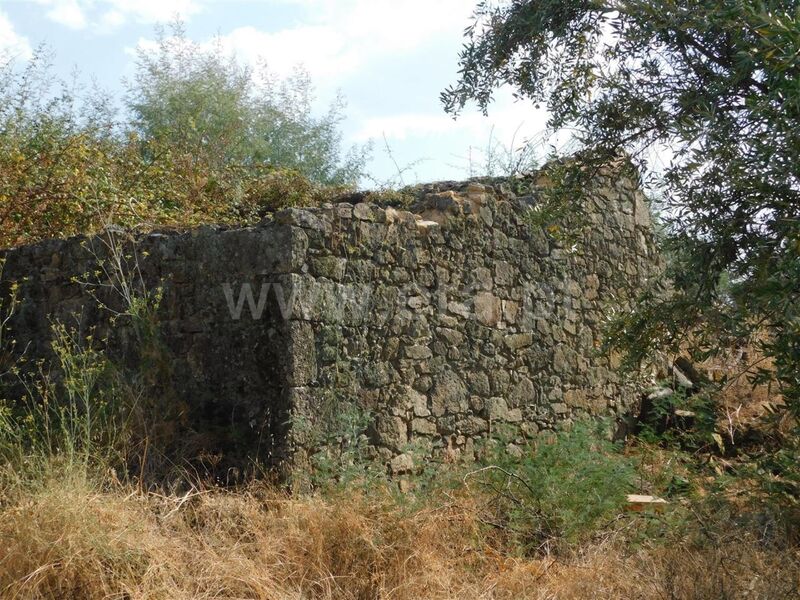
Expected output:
(446, 325)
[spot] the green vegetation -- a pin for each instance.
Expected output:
(85, 411)
(201, 139)
(98, 496)
(220, 114)
(560, 491)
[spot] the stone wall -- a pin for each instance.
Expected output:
(454, 322)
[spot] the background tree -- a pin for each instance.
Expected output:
(718, 84)
(203, 140)
(202, 103)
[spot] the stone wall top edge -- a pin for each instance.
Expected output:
(457, 199)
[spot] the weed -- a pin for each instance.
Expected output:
(73, 414)
(560, 491)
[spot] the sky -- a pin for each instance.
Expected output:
(389, 58)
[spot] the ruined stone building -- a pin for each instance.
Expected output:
(459, 319)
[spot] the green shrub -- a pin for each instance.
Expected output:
(693, 427)
(72, 411)
(204, 143)
(559, 491)
(80, 408)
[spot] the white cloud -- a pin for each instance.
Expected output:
(338, 37)
(12, 44)
(68, 13)
(111, 20)
(402, 126)
(388, 26)
(324, 51)
(106, 15)
(509, 122)
(154, 11)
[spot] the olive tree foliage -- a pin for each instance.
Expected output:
(717, 83)
(201, 100)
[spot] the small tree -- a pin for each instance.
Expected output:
(204, 105)
(191, 99)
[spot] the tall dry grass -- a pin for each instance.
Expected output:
(67, 538)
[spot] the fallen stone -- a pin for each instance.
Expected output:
(641, 502)
(402, 463)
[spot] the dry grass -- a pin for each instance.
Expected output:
(67, 539)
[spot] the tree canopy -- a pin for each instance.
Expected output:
(717, 84)
(200, 138)
(200, 99)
